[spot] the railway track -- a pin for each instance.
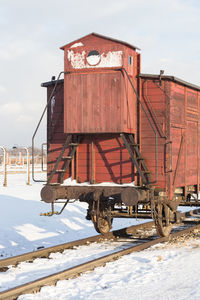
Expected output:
(127, 234)
(44, 253)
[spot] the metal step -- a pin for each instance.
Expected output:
(139, 158)
(66, 145)
(73, 144)
(68, 159)
(136, 157)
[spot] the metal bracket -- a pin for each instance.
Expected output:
(53, 212)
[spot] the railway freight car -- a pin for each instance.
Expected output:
(129, 142)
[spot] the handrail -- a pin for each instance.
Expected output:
(151, 124)
(38, 125)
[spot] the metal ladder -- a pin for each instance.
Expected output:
(67, 159)
(137, 158)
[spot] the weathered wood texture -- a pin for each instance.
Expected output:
(98, 98)
(112, 161)
(177, 111)
(184, 112)
(153, 100)
(55, 132)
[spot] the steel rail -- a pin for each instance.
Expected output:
(36, 285)
(191, 213)
(14, 260)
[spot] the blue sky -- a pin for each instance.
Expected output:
(32, 32)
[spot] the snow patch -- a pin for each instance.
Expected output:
(71, 224)
(77, 45)
(13, 243)
(32, 233)
(69, 181)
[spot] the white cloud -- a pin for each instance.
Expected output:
(25, 119)
(2, 90)
(16, 49)
(10, 109)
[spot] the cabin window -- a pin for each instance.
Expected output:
(130, 60)
(93, 58)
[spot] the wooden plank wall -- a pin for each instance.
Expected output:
(184, 107)
(55, 132)
(156, 97)
(177, 110)
(111, 160)
(94, 103)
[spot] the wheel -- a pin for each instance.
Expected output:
(94, 221)
(101, 217)
(101, 224)
(162, 220)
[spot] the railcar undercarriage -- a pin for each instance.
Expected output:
(108, 202)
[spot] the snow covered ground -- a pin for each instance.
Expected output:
(167, 271)
(24, 230)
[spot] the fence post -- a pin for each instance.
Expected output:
(4, 165)
(27, 166)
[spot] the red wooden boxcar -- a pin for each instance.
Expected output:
(108, 123)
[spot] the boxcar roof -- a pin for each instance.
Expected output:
(103, 37)
(145, 76)
(170, 78)
(52, 82)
